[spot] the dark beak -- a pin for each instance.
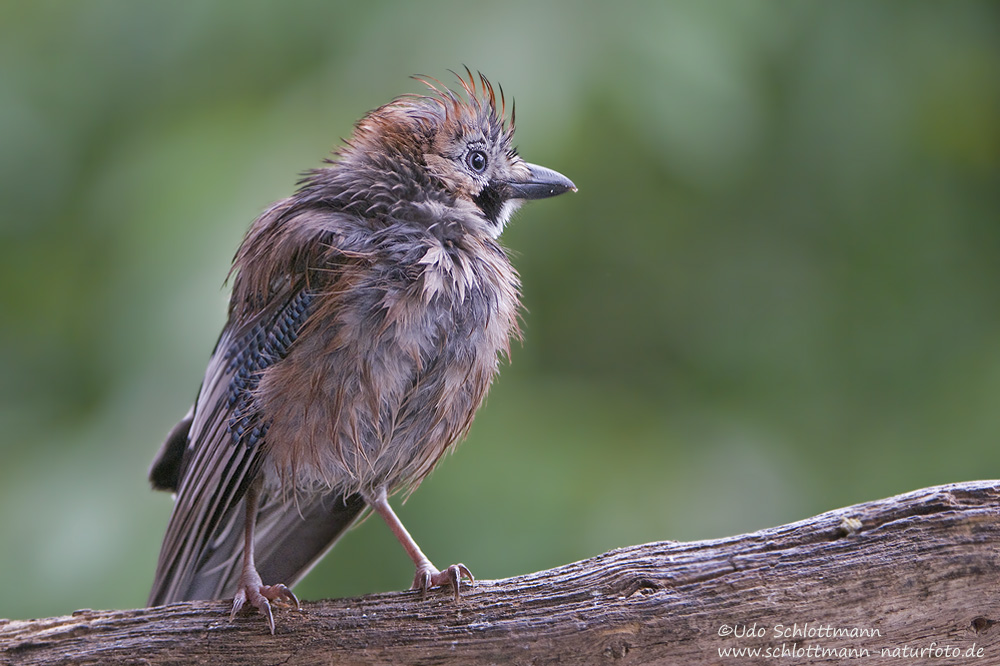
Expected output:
(541, 183)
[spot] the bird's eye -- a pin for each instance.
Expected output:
(476, 159)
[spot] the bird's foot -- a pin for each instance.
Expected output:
(428, 577)
(260, 596)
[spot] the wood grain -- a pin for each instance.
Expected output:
(912, 579)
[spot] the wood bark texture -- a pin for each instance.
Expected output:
(913, 579)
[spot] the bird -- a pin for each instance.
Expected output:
(369, 313)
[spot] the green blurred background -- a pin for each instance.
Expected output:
(776, 292)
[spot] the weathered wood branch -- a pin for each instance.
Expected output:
(910, 579)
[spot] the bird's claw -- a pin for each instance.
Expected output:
(260, 597)
(428, 577)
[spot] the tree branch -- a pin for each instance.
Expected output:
(906, 580)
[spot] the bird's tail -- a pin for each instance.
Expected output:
(290, 538)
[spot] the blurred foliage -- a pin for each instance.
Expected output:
(775, 293)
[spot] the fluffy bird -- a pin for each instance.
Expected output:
(368, 316)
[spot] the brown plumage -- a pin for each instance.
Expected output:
(368, 314)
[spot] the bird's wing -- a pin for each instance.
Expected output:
(212, 456)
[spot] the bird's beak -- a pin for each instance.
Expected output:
(541, 183)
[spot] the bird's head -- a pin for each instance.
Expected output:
(443, 148)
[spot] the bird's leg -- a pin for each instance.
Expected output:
(427, 575)
(250, 587)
